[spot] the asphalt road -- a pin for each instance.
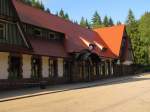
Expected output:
(124, 96)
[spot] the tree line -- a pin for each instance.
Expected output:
(95, 23)
(137, 30)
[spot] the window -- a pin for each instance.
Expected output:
(52, 68)
(52, 35)
(15, 67)
(37, 32)
(2, 31)
(36, 68)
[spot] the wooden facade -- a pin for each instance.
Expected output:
(27, 65)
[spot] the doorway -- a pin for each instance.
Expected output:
(36, 71)
(15, 67)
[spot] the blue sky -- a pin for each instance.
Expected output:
(117, 9)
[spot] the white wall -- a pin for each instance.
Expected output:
(4, 65)
(60, 67)
(26, 66)
(45, 67)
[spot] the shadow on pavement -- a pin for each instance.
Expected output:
(24, 93)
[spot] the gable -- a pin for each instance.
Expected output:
(112, 36)
(11, 31)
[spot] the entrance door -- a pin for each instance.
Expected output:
(15, 67)
(36, 68)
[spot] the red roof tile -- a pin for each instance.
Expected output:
(73, 32)
(48, 48)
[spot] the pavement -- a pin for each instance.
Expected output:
(125, 94)
(32, 92)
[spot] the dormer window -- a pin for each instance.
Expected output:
(91, 47)
(52, 36)
(2, 31)
(37, 32)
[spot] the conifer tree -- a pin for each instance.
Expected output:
(66, 16)
(111, 23)
(106, 21)
(83, 22)
(119, 23)
(48, 10)
(61, 13)
(34, 3)
(144, 29)
(96, 20)
(134, 34)
(87, 24)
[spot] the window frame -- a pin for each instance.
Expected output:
(37, 29)
(51, 38)
(3, 30)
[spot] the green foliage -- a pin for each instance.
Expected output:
(84, 23)
(130, 19)
(119, 23)
(111, 23)
(63, 15)
(144, 29)
(96, 20)
(106, 21)
(48, 10)
(136, 40)
(35, 3)
(66, 17)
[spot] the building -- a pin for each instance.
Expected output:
(35, 46)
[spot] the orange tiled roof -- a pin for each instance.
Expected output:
(112, 36)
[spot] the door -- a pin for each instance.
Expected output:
(36, 68)
(15, 67)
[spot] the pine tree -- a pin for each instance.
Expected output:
(61, 13)
(130, 18)
(83, 22)
(75, 22)
(57, 14)
(111, 23)
(144, 28)
(34, 3)
(66, 17)
(48, 10)
(96, 20)
(106, 21)
(137, 44)
(87, 24)
(119, 23)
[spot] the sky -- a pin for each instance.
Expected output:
(117, 9)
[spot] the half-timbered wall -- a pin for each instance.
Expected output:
(12, 34)
(42, 33)
(6, 9)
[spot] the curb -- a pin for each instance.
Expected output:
(63, 90)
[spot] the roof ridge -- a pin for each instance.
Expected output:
(109, 27)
